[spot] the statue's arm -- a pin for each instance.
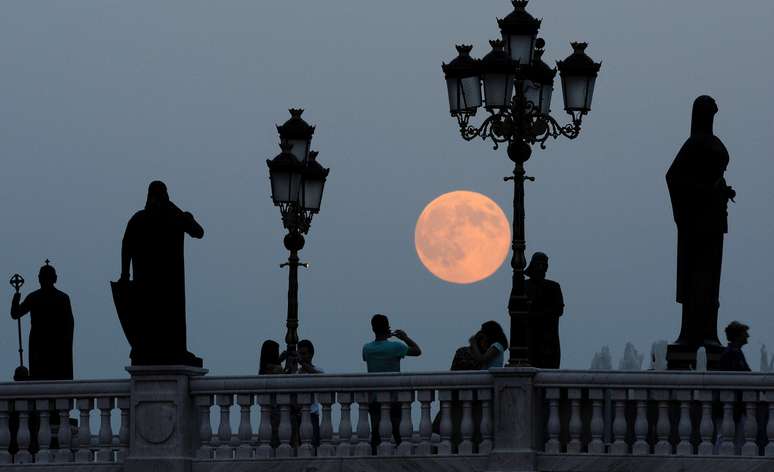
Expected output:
(126, 251)
(19, 309)
(192, 227)
(558, 301)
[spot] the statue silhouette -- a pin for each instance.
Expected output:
(700, 198)
(153, 246)
(546, 305)
(51, 328)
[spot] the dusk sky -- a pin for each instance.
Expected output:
(98, 98)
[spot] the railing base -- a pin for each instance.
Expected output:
(512, 461)
(597, 462)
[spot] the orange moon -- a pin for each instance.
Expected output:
(462, 237)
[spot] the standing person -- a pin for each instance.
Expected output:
(733, 358)
(153, 247)
(305, 366)
(269, 362)
(546, 305)
(383, 355)
(51, 328)
(493, 339)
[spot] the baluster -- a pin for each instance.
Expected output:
(705, 426)
(224, 449)
(344, 446)
(445, 446)
(727, 430)
(245, 434)
(597, 426)
(85, 405)
(387, 442)
(285, 429)
(768, 396)
(424, 447)
(264, 448)
(203, 403)
(485, 397)
(684, 447)
(406, 447)
(304, 400)
(123, 431)
(466, 424)
(640, 446)
(326, 447)
(619, 446)
(663, 447)
(553, 426)
(23, 438)
(64, 436)
(5, 432)
(105, 437)
(574, 445)
(363, 447)
(750, 447)
(44, 455)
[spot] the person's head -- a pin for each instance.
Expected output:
(482, 343)
(494, 333)
(305, 351)
(47, 276)
(380, 325)
(269, 355)
(157, 195)
(538, 266)
(737, 333)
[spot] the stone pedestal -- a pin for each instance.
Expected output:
(164, 424)
(682, 357)
(515, 431)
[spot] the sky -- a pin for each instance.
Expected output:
(99, 97)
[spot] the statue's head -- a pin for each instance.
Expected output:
(704, 110)
(538, 266)
(47, 276)
(157, 195)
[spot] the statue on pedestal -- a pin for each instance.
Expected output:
(700, 198)
(152, 305)
(546, 305)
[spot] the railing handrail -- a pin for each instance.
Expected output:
(654, 379)
(63, 388)
(341, 382)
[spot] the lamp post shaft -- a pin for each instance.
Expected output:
(291, 337)
(518, 307)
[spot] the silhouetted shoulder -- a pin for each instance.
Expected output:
(550, 284)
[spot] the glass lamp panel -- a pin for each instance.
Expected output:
(454, 89)
(464, 94)
(313, 190)
(575, 96)
(531, 92)
(299, 149)
(498, 90)
(471, 87)
(545, 103)
(520, 47)
(592, 82)
(284, 186)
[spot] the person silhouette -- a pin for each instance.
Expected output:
(153, 247)
(546, 305)
(51, 328)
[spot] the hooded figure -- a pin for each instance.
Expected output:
(153, 245)
(700, 197)
(51, 328)
(546, 305)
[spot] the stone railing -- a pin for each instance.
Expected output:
(652, 416)
(177, 419)
(49, 422)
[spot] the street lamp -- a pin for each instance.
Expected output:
(517, 88)
(297, 182)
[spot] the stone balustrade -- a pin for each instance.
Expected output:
(178, 419)
(49, 422)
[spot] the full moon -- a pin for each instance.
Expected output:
(462, 237)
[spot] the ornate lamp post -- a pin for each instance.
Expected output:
(297, 182)
(517, 88)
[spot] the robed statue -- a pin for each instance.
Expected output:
(51, 328)
(700, 196)
(546, 305)
(152, 305)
